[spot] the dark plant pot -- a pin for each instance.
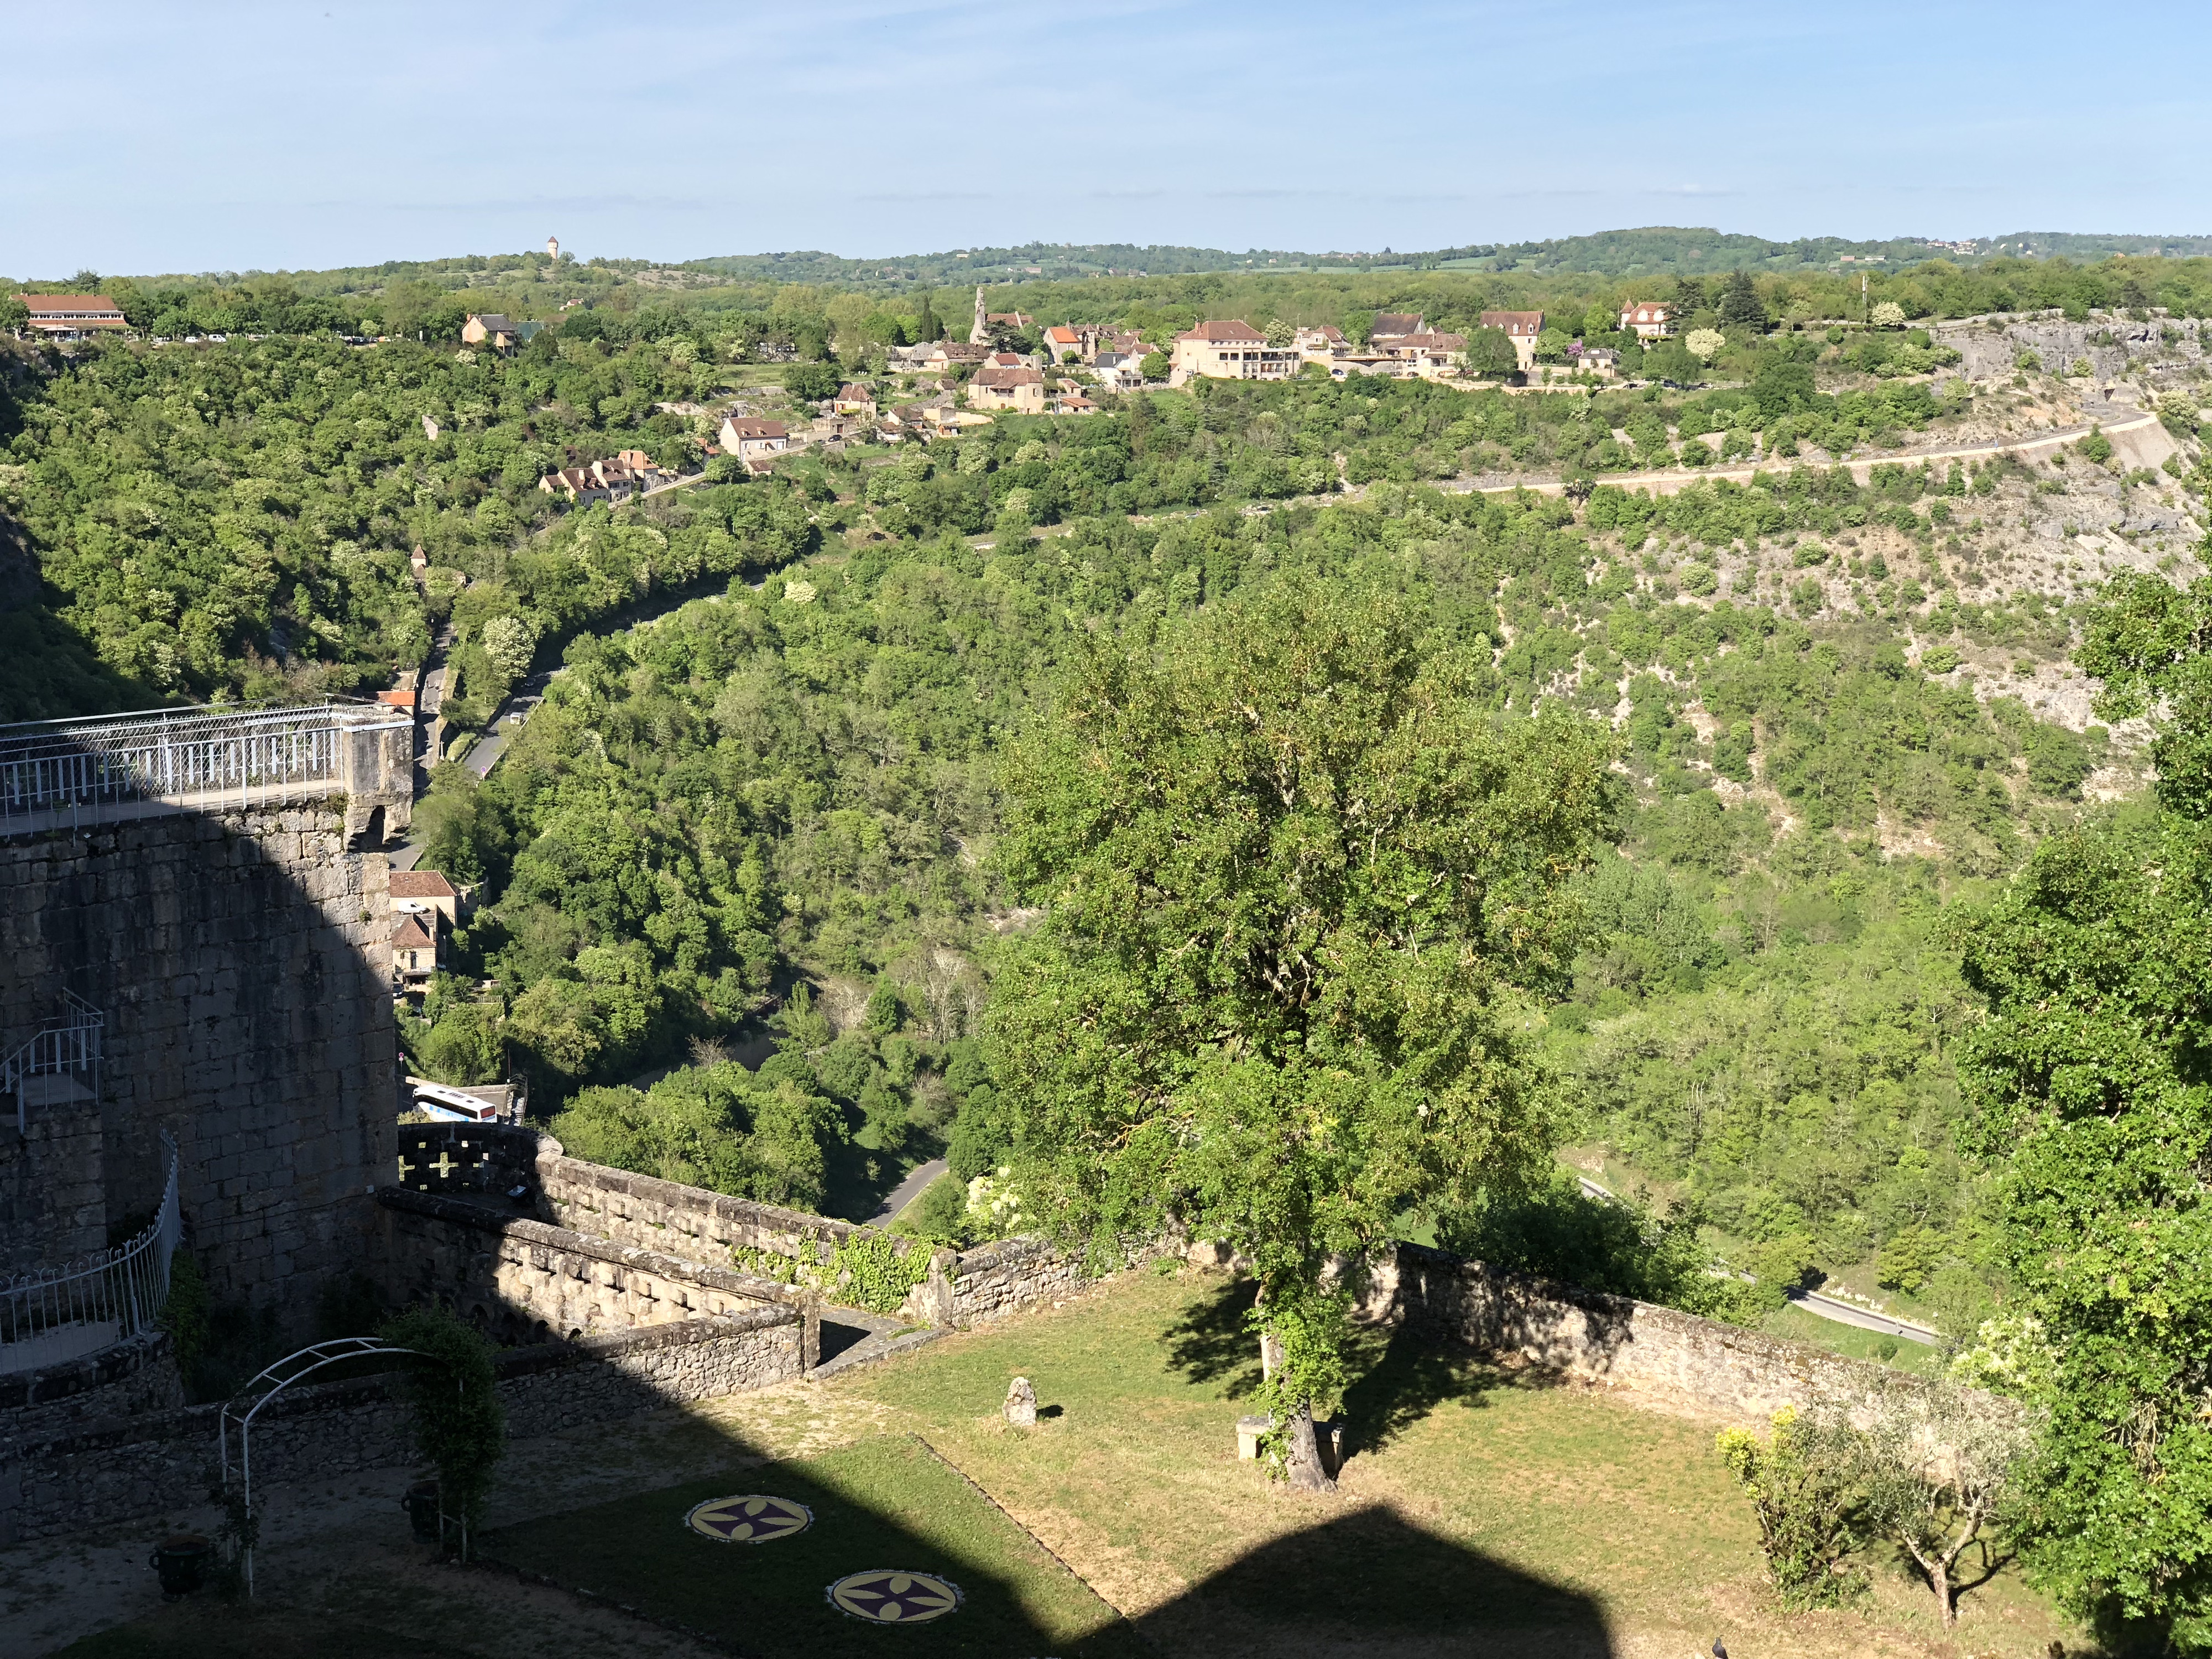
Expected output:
(421, 1503)
(182, 1562)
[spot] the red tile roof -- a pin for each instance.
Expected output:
(411, 935)
(88, 304)
(420, 884)
(994, 377)
(1515, 322)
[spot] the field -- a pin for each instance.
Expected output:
(1479, 1512)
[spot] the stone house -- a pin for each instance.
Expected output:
(748, 437)
(1230, 350)
(414, 951)
(853, 398)
(1521, 327)
(1395, 326)
(1118, 371)
(578, 483)
(1429, 356)
(1650, 320)
(1016, 387)
(948, 357)
(420, 890)
(489, 328)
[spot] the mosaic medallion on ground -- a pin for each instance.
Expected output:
(749, 1518)
(895, 1598)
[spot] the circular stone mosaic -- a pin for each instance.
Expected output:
(895, 1598)
(749, 1518)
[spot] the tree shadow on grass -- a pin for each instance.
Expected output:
(1399, 1379)
(1371, 1581)
(1211, 1343)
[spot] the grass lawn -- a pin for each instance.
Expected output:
(883, 1502)
(1479, 1511)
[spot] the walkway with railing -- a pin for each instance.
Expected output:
(176, 759)
(48, 1068)
(53, 1314)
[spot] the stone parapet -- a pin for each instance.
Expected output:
(520, 1280)
(126, 1379)
(99, 1475)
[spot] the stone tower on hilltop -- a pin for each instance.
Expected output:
(979, 334)
(553, 247)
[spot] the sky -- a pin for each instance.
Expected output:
(214, 136)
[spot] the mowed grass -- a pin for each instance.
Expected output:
(1479, 1511)
(887, 1503)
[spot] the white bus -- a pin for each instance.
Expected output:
(446, 1104)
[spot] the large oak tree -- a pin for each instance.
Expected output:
(1302, 887)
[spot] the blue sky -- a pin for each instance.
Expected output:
(212, 137)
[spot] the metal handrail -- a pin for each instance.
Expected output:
(124, 1285)
(177, 754)
(69, 1043)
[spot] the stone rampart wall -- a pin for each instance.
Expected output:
(1717, 1370)
(518, 1279)
(131, 1377)
(970, 1287)
(101, 1475)
(242, 963)
(686, 1221)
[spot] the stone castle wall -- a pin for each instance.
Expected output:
(98, 1475)
(518, 1279)
(1716, 1369)
(239, 958)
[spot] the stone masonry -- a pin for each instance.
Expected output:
(240, 960)
(96, 1475)
(518, 1279)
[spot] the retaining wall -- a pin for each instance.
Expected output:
(518, 1279)
(98, 1475)
(1717, 1370)
(131, 1377)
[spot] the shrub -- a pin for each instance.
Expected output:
(1801, 1490)
(460, 1425)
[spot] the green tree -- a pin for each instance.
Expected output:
(1600, 319)
(1932, 1467)
(2092, 1108)
(1490, 351)
(14, 315)
(1300, 888)
(1155, 365)
(1739, 305)
(811, 382)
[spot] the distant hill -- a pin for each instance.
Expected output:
(1046, 261)
(1652, 250)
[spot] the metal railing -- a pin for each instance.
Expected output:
(190, 757)
(62, 1047)
(108, 1297)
